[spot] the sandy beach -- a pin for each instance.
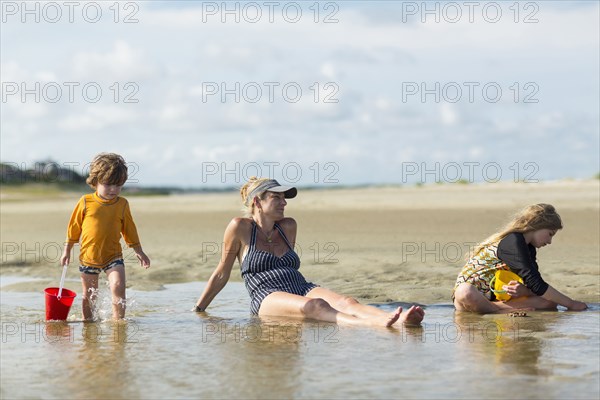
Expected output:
(379, 244)
(388, 245)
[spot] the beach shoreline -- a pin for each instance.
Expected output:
(378, 244)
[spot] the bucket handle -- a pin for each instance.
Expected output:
(62, 281)
(492, 281)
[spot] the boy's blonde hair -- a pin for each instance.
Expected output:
(107, 169)
(248, 187)
(531, 218)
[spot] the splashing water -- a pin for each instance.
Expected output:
(101, 304)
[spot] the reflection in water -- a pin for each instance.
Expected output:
(166, 351)
(510, 344)
(264, 355)
(101, 362)
(58, 331)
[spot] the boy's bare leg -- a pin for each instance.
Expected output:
(116, 280)
(89, 283)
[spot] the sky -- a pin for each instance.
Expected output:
(207, 94)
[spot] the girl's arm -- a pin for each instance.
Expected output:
(516, 289)
(520, 257)
(220, 276)
(559, 298)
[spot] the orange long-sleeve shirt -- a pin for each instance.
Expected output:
(97, 225)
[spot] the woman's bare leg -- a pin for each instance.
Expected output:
(468, 298)
(349, 305)
(291, 305)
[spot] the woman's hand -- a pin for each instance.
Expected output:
(516, 289)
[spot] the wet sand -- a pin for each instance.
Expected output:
(392, 246)
(164, 350)
(378, 244)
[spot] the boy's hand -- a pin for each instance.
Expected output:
(65, 259)
(144, 260)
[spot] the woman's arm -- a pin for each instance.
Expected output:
(220, 276)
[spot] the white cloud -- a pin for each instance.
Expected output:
(173, 112)
(122, 63)
(449, 115)
(12, 72)
(96, 118)
(171, 53)
(328, 70)
(46, 76)
(27, 110)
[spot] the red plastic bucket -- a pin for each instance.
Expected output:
(58, 310)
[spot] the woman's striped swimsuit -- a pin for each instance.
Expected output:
(265, 273)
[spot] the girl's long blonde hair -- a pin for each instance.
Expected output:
(531, 218)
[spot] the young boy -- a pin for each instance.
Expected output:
(97, 223)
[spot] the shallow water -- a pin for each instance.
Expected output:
(165, 351)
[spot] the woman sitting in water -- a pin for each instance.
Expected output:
(513, 249)
(264, 242)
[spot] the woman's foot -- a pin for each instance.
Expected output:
(386, 320)
(393, 317)
(413, 316)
